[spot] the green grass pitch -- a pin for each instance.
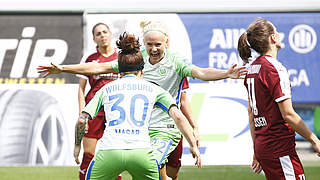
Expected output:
(312, 172)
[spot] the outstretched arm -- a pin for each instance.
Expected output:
(81, 128)
(212, 74)
(294, 120)
(85, 68)
(184, 127)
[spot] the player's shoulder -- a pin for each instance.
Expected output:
(269, 63)
(174, 55)
(111, 83)
(176, 58)
(275, 64)
(90, 57)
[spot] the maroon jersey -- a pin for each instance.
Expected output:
(97, 81)
(268, 83)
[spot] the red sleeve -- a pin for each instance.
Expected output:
(185, 84)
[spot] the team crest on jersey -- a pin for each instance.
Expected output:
(162, 71)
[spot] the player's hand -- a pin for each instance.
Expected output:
(196, 154)
(76, 152)
(316, 147)
(52, 69)
(255, 166)
(236, 73)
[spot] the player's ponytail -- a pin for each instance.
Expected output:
(128, 44)
(143, 24)
(257, 37)
(129, 58)
(244, 48)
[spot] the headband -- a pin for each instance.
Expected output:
(131, 67)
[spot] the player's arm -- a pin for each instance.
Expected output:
(212, 74)
(208, 74)
(251, 122)
(88, 113)
(185, 128)
(255, 165)
(81, 127)
(81, 94)
(85, 68)
(187, 112)
(81, 121)
(165, 101)
(294, 120)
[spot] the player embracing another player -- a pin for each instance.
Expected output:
(128, 103)
(165, 135)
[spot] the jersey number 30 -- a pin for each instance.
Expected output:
(115, 107)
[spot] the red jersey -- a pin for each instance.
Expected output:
(97, 81)
(267, 83)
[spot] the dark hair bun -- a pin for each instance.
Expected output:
(128, 44)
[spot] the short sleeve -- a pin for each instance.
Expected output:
(182, 68)
(164, 100)
(95, 104)
(115, 66)
(277, 81)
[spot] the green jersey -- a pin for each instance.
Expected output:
(168, 74)
(128, 104)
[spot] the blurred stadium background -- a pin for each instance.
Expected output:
(37, 115)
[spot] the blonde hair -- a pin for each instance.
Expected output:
(148, 26)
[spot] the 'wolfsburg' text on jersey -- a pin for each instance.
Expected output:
(128, 104)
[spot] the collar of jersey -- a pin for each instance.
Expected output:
(268, 58)
(115, 51)
(129, 76)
